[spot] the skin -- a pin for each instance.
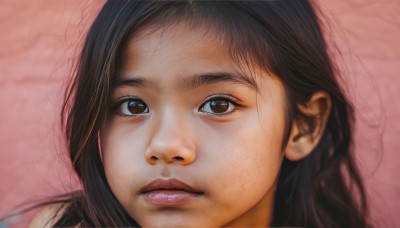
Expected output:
(234, 158)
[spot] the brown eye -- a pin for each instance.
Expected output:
(218, 106)
(133, 107)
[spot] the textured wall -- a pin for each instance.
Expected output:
(37, 45)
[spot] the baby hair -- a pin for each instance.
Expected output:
(284, 38)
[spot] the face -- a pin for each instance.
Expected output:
(191, 141)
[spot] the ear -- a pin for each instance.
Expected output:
(305, 137)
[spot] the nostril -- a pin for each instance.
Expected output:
(154, 158)
(178, 158)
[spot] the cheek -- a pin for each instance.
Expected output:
(244, 159)
(121, 147)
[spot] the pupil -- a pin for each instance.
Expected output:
(219, 106)
(136, 107)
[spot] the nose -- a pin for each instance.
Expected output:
(171, 142)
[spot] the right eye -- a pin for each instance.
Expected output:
(132, 107)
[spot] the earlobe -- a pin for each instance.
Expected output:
(299, 145)
(304, 137)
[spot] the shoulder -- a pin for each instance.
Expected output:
(47, 216)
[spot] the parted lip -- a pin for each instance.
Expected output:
(168, 184)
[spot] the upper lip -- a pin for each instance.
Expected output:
(168, 184)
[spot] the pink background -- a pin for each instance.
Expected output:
(37, 46)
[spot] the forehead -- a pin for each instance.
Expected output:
(176, 43)
(179, 51)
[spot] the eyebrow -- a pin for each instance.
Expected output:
(193, 82)
(215, 77)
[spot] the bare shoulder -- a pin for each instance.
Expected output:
(47, 216)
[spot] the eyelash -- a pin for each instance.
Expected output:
(216, 97)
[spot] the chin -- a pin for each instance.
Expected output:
(174, 221)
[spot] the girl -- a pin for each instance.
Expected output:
(196, 113)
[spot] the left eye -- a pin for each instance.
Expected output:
(218, 106)
(132, 107)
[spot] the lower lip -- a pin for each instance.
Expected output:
(170, 197)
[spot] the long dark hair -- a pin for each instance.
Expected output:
(284, 38)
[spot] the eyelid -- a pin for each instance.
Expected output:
(230, 98)
(121, 100)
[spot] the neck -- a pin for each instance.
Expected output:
(258, 216)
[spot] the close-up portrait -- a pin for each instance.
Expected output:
(196, 113)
